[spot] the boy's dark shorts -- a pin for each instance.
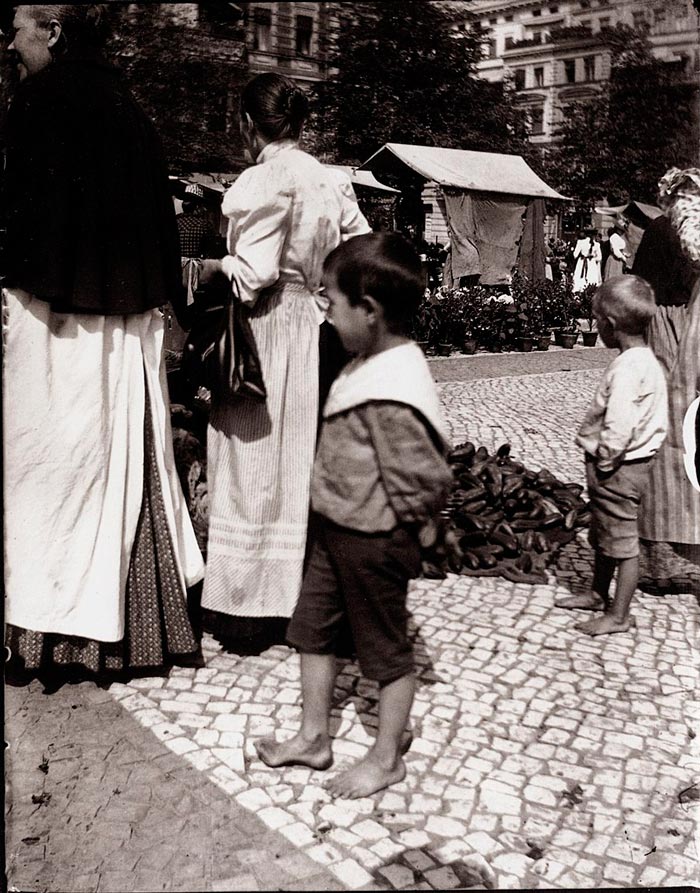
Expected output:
(358, 580)
(615, 498)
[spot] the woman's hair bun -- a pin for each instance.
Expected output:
(296, 106)
(276, 105)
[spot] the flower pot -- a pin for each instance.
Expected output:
(469, 345)
(543, 341)
(526, 344)
(423, 345)
(568, 339)
(557, 336)
(444, 349)
(589, 338)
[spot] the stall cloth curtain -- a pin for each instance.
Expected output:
(531, 254)
(485, 233)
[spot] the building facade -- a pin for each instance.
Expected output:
(291, 38)
(554, 53)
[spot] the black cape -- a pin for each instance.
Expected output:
(661, 261)
(90, 221)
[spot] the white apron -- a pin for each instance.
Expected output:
(73, 414)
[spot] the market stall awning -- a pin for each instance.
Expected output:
(219, 183)
(363, 178)
(211, 183)
(463, 169)
(651, 212)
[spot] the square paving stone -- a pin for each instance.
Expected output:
(398, 876)
(442, 879)
(418, 860)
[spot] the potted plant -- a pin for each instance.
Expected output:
(529, 315)
(563, 314)
(470, 344)
(553, 303)
(424, 324)
(473, 304)
(584, 302)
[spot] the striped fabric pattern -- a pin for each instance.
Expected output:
(259, 463)
(670, 510)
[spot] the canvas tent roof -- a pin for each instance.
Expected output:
(219, 183)
(464, 169)
(363, 178)
(649, 211)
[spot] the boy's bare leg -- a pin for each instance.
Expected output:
(311, 746)
(383, 765)
(617, 616)
(598, 599)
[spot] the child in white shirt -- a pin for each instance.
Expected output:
(621, 433)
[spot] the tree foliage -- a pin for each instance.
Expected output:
(191, 95)
(617, 145)
(400, 74)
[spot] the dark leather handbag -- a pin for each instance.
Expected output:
(220, 353)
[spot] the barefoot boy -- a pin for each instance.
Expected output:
(621, 433)
(379, 476)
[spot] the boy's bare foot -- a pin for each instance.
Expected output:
(588, 602)
(600, 626)
(296, 751)
(365, 778)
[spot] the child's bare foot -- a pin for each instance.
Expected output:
(591, 601)
(365, 778)
(600, 626)
(296, 751)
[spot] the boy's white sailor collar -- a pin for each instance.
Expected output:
(271, 150)
(398, 375)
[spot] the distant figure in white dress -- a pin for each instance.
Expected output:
(616, 263)
(588, 257)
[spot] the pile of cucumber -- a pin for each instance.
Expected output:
(504, 519)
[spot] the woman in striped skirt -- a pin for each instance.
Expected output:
(669, 257)
(286, 213)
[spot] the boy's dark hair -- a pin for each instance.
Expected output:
(384, 266)
(628, 301)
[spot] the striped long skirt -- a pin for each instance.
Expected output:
(259, 461)
(670, 512)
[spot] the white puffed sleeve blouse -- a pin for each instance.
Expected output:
(286, 214)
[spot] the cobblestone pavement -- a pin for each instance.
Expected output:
(541, 758)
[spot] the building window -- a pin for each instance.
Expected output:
(262, 35)
(589, 68)
(509, 18)
(639, 19)
(604, 22)
(519, 78)
(493, 48)
(536, 12)
(539, 77)
(553, 10)
(536, 121)
(570, 71)
(304, 31)
(585, 4)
